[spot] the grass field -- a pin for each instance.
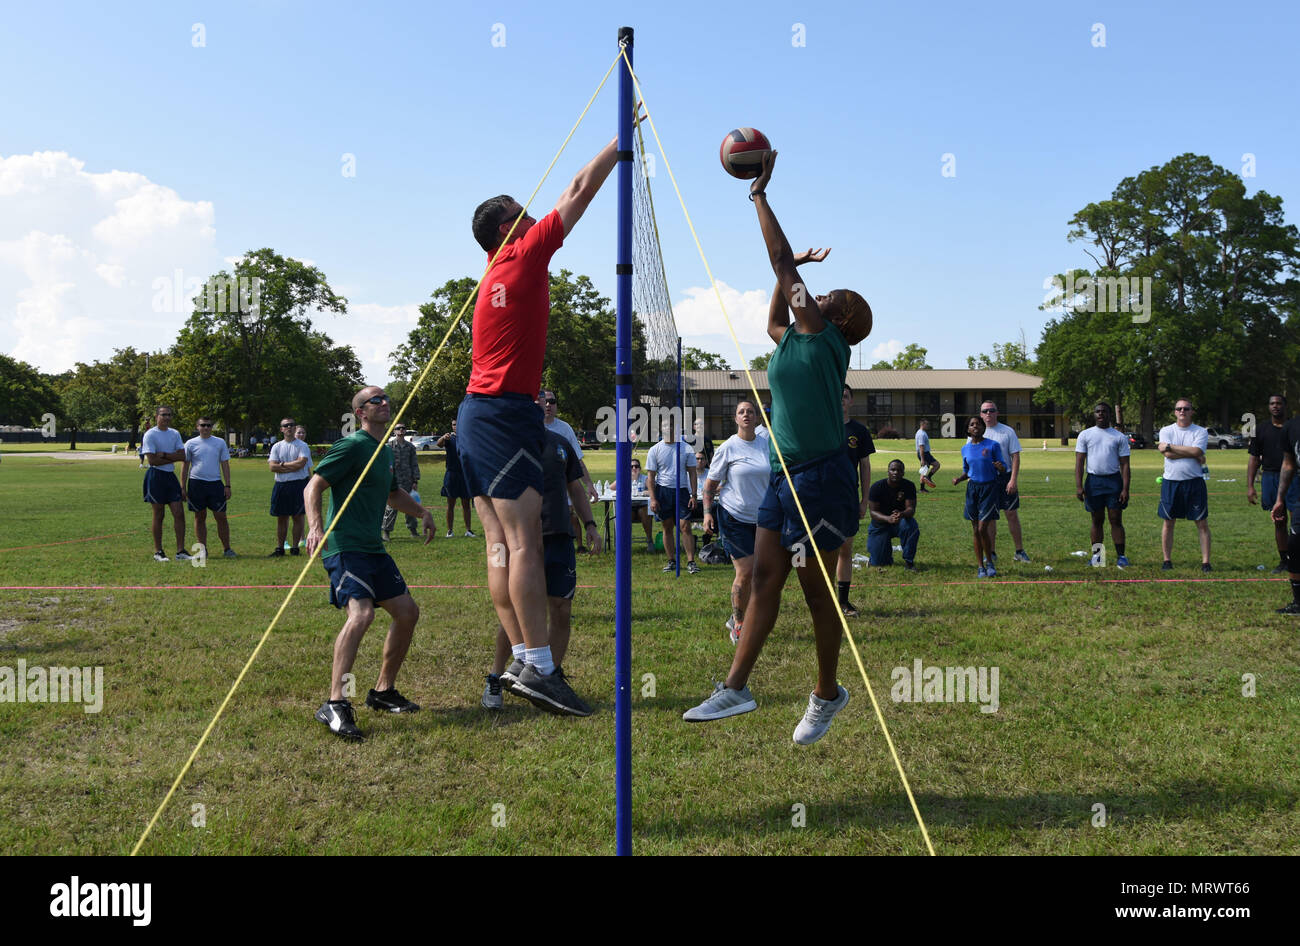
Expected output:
(1122, 693)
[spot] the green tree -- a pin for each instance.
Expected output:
(85, 407)
(911, 358)
(1013, 356)
(759, 362)
(247, 352)
(25, 394)
(118, 380)
(1218, 322)
(696, 359)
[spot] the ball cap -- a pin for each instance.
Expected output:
(851, 315)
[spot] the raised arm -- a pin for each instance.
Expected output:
(582, 189)
(784, 262)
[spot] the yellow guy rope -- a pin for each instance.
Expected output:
(799, 505)
(396, 418)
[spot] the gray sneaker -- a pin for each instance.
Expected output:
(723, 703)
(551, 693)
(510, 675)
(229, 553)
(492, 692)
(1022, 556)
(818, 718)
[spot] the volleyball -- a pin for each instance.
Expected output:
(742, 152)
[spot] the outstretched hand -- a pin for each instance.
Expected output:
(810, 256)
(760, 182)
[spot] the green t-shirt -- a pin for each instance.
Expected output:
(806, 376)
(359, 530)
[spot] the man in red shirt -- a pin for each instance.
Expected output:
(500, 426)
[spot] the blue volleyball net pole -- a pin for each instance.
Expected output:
(623, 463)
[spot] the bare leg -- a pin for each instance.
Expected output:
(297, 528)
(281, 530)
(464, 508)
(159, 514)
(360, 614)
(1013, 523)
(740, 587)
(670, 542)
(201, 527)
(513, 528)
(1117, 534)
(502, 654)
(771, 569)
(688, 540)
(1094, 534)
(405, 612)
(1167, 539)
(178, 524)
(826, 625)
(223, 529)
(559, 614)
(451, 512)
(844, 562)
(1203, 531)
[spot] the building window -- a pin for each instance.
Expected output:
(880, 403)
(927, 403)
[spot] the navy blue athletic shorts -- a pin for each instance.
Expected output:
(1101, 491)
(666, 497)
(1268, 492)
(161, 487)
(286, 498)
(206, 494)
(982, 500)
(453, 485)
(561, 565)
(828, 491)
(1184, 499)
(1005, 500)
(366, 576)
(737, 536)
(499, 440)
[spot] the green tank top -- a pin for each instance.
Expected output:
(806, 376)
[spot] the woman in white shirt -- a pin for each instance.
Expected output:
(737, 481)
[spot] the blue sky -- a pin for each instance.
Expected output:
(180, 156)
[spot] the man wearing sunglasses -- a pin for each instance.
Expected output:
(361, 574)
(549, 402)
(500, 428)
(1182, 488)
(205, 483)
(290, 461)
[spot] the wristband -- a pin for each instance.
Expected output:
(753, 194)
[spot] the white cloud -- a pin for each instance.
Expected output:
(887, 350)
(79, 252)
(698, 313)
(373, 331)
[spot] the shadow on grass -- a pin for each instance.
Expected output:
(1178, 801)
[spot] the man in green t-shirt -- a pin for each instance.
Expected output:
(361, 573)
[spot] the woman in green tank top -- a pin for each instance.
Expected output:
(806, 374)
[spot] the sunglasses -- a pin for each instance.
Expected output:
(205, 425)
(989, 410)
(1181, 409)
(377, 399)
(551, 400)
(286, 425)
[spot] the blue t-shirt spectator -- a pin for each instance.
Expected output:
(977, 460)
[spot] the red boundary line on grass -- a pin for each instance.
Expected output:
(983, 582)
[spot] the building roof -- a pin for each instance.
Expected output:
(937, 379)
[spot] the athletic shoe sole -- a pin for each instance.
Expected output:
(528, 685)
(738, 709)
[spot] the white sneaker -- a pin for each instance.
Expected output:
(721, 704)
(818, 718)
(733, 630)
(183, 556)
(469, 534)
(160, 557)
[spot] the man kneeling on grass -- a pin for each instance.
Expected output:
(361, 573)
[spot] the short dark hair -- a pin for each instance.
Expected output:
(893, 461)
(1280, 397)
(847, 388)
(202, 417)
(487, 218)
(1109, 409)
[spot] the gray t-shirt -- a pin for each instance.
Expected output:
(286, 451)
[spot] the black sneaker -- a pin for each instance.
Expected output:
(337, 715)
(909, 566)
(670, 567)
(295, 551)
(510, 675)
(390, 701)
(278, 553)
(415, 533)
(692, 568)
(1292, 608)
(1168, 566)
(1281, 567)
(550, 693)
(1206, 567)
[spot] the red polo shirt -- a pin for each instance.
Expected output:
(512, 313)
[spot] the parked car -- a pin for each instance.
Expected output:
(1137, 442)
(1225, 439)
(423, 443)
